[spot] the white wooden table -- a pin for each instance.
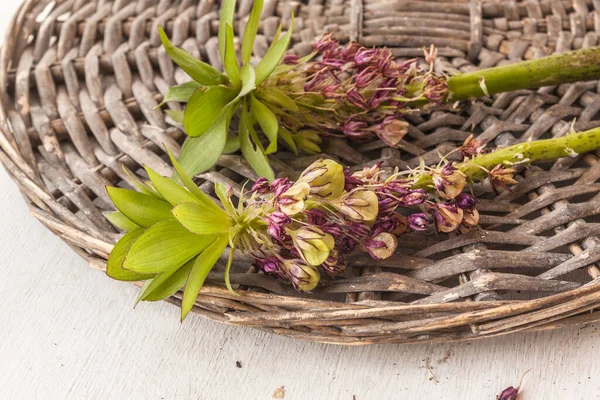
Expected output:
(69, 332)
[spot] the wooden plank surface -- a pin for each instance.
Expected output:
(69, 332)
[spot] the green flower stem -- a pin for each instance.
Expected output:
(524, 153)
(580, 65)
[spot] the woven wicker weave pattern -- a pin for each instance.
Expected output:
(82, 79)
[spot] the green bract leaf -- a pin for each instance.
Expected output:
(121, 221)
(257, 160)
(169, 190)
(114, 267)
(201, 72)
(180, 93)
(288, 139)
(248, 77)
(203, 265)
(191, 186)
(200, 153)
(142, 209)
(251, 30)
(273, 56)
(176, 115)
(231, 64)
(163, 247)
(199, 220)
(227, 15)
(144, 187)
(205, 108)
(267, 121)
(166, 283)
(221, 191)
(275, 96)
(232, 145)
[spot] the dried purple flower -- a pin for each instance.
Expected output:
(501, 177)
(292, 200)
(277, 223)
(303, 276)
(394, 224)
(449, 182)
(472, 147)
(261, 186)
(413, 198)
(291, 59)
(392, 131)
(466, 201)
(366, 77)
(447, 217)
(357, 99)
(365, 56)
(380, 246)
(510, 393)
(387, 205)
(355, 129)
(418, 222)
(268, 265)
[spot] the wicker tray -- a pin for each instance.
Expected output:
(81, 79)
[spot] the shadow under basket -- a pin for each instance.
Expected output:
(81, 80)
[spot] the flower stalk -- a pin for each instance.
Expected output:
(557, 69)
(478, 167)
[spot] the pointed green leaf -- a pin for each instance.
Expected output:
(200, 153)
(232, 145)
(164, 246)
(221, 191)
(267, 121)
(143, 187)
(201, 72)
(255, 157)
(248, 77)
(142, 209)
(114, 267)
(166, 283)
(288, 139)
(204, 264)
(191, 186)
(180, 93)
(204, 109)
(169, 189)
(275, 96)
(118, 219)
(227, 17)
(231, 65)
(199, 220)
(251, 30)
(176, 115)
(273, 56)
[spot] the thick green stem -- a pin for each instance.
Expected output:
(526, 153)
(580, 65)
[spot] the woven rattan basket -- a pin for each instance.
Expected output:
(81, 79)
